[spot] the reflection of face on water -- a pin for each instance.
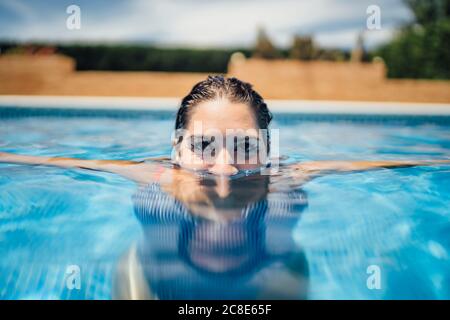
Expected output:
(195, 257)
(235, 193)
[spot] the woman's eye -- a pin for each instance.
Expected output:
(250, 147)
(247, 145)
(205, 144)
(199, 145)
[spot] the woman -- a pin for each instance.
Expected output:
(216, 225)
(219, 104)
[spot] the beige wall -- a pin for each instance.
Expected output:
(56, 75)
(282, 79)
(322, 80)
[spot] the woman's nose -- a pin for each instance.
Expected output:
(223, 170)
(223, 164)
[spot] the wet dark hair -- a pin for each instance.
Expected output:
(232, 89)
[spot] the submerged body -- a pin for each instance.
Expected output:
(184, 256)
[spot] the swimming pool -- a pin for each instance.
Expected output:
(396, 220)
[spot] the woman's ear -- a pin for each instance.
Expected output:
(176, 149)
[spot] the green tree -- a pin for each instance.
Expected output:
(264, 47)
(303, 48)
(421, 48)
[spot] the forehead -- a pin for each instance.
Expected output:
(221, 114)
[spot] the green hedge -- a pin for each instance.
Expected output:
(141, 58)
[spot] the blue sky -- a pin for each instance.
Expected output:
(199, 23)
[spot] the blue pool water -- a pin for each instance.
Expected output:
(396, 220)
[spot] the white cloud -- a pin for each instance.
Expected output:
(371, 38)
(204, 23)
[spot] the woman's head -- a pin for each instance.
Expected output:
(222, 127)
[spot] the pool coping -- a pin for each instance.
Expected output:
(276, 106)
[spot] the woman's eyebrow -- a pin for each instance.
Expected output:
(201, 138)
(238, 136)
(246, 137)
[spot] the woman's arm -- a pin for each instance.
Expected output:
(136, 171)
(322, 167)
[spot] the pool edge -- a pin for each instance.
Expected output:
(277, 106)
